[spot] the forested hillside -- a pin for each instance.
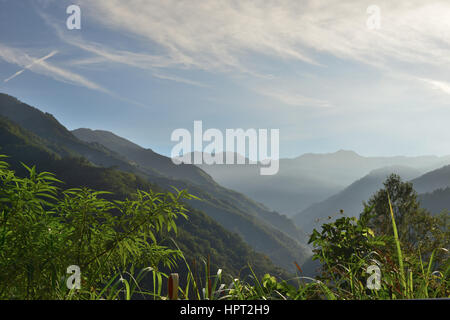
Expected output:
(47, 140)
(198, 237)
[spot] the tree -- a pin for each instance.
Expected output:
(418, 229)
(404, 203)
(348, 246)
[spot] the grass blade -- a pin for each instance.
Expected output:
(399, 250)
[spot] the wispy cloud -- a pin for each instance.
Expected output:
(218, 34)
(144, 61)
(105, 54)
(224, 36)
(293, 98)
(51, 54)
(179, 79)
(102, 54)
(41, 66)
(205, 35)
(439, 85)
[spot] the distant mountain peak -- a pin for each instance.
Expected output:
(406, 171)
(338, 154)
(347, 152)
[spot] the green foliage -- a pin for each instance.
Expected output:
(345, 240)
(43, 231)
(345, 249)
(417, 228)
(404, 203)
(348, 246)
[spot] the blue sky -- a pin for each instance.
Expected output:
(312, 69)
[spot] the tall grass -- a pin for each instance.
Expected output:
(399, 250)
(419, 282)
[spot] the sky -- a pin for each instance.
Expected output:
(369, 76)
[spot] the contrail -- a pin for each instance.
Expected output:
(51, 54)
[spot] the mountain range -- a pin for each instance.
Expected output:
(34, 137)
(312, 178)
(349, 202)
(437, 201)
(435, 184)
(242, 216)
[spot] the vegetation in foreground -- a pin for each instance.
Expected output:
(115, 243)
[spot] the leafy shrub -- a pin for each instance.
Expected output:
(43, 231)
(348, 246)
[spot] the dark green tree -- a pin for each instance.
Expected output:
(404, 203)
(418, 229)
